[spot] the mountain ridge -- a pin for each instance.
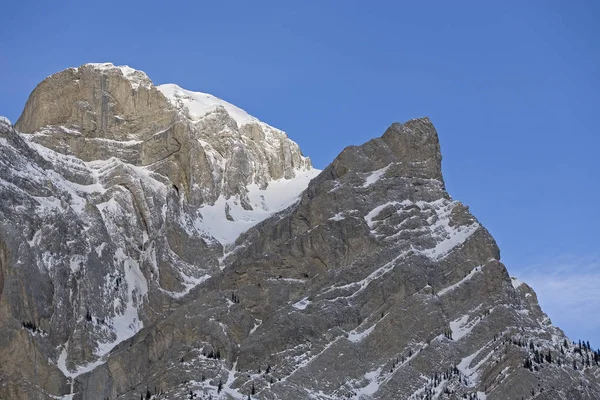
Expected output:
(366, 280)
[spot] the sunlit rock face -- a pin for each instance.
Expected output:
(161, 242)
(114, 204)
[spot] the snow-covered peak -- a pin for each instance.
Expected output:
(136, 77)
(5, 121)
(199, 104)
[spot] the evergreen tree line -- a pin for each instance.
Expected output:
(30, 325)
(588, 356)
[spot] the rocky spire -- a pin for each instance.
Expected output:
(412, 149)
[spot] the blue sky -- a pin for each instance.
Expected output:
(512, 87)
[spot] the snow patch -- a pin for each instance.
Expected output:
(136, 77)
(255, 326)
(277, 196)
(356, 337)
(461, 327)
(189, 283)
(338, 217)
(463, 280)
(375, 176)
(362, 284)
(126, 322)
(76, 263)
(199, 104)
(375, 212)
(515, 282)
(447, 236)
(372, 387)
(61, 363)
(471, 372)
(302, 304)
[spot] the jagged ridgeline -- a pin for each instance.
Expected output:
(159, 243)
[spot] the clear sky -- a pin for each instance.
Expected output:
(513, 88)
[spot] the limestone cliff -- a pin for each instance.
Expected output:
(205, 146)
(161, 242)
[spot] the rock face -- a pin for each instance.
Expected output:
(152, 243)
(205, 146)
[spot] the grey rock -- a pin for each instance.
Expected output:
(375, 284)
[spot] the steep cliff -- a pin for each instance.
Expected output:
(161, 242)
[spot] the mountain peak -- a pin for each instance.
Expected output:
(136, 77)
(410, 150)
(98, 100)
(151, 236)
(416, 143)
(196, 105)
(207, 146)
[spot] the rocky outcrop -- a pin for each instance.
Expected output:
(99, 101)
(375, 285)
(155, 256)
(98, 111)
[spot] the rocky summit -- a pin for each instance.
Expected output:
(159, 243)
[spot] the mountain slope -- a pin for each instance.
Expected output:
(160, 241)
(142, 200)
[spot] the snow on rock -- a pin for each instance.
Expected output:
(365, 282)
(126, 322)
(199, 104)
(461, 327)
(5, 121)
(338, 217)
(515, 282)
(375, 176)
(355, 337)
(375, 212)
(472, 371)
(278, 195)
(61, 363)
(256, 326)
(463, 280)
(366, 392)
(302, 304)
(447, 236)
(189, 282)
(136, 77)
